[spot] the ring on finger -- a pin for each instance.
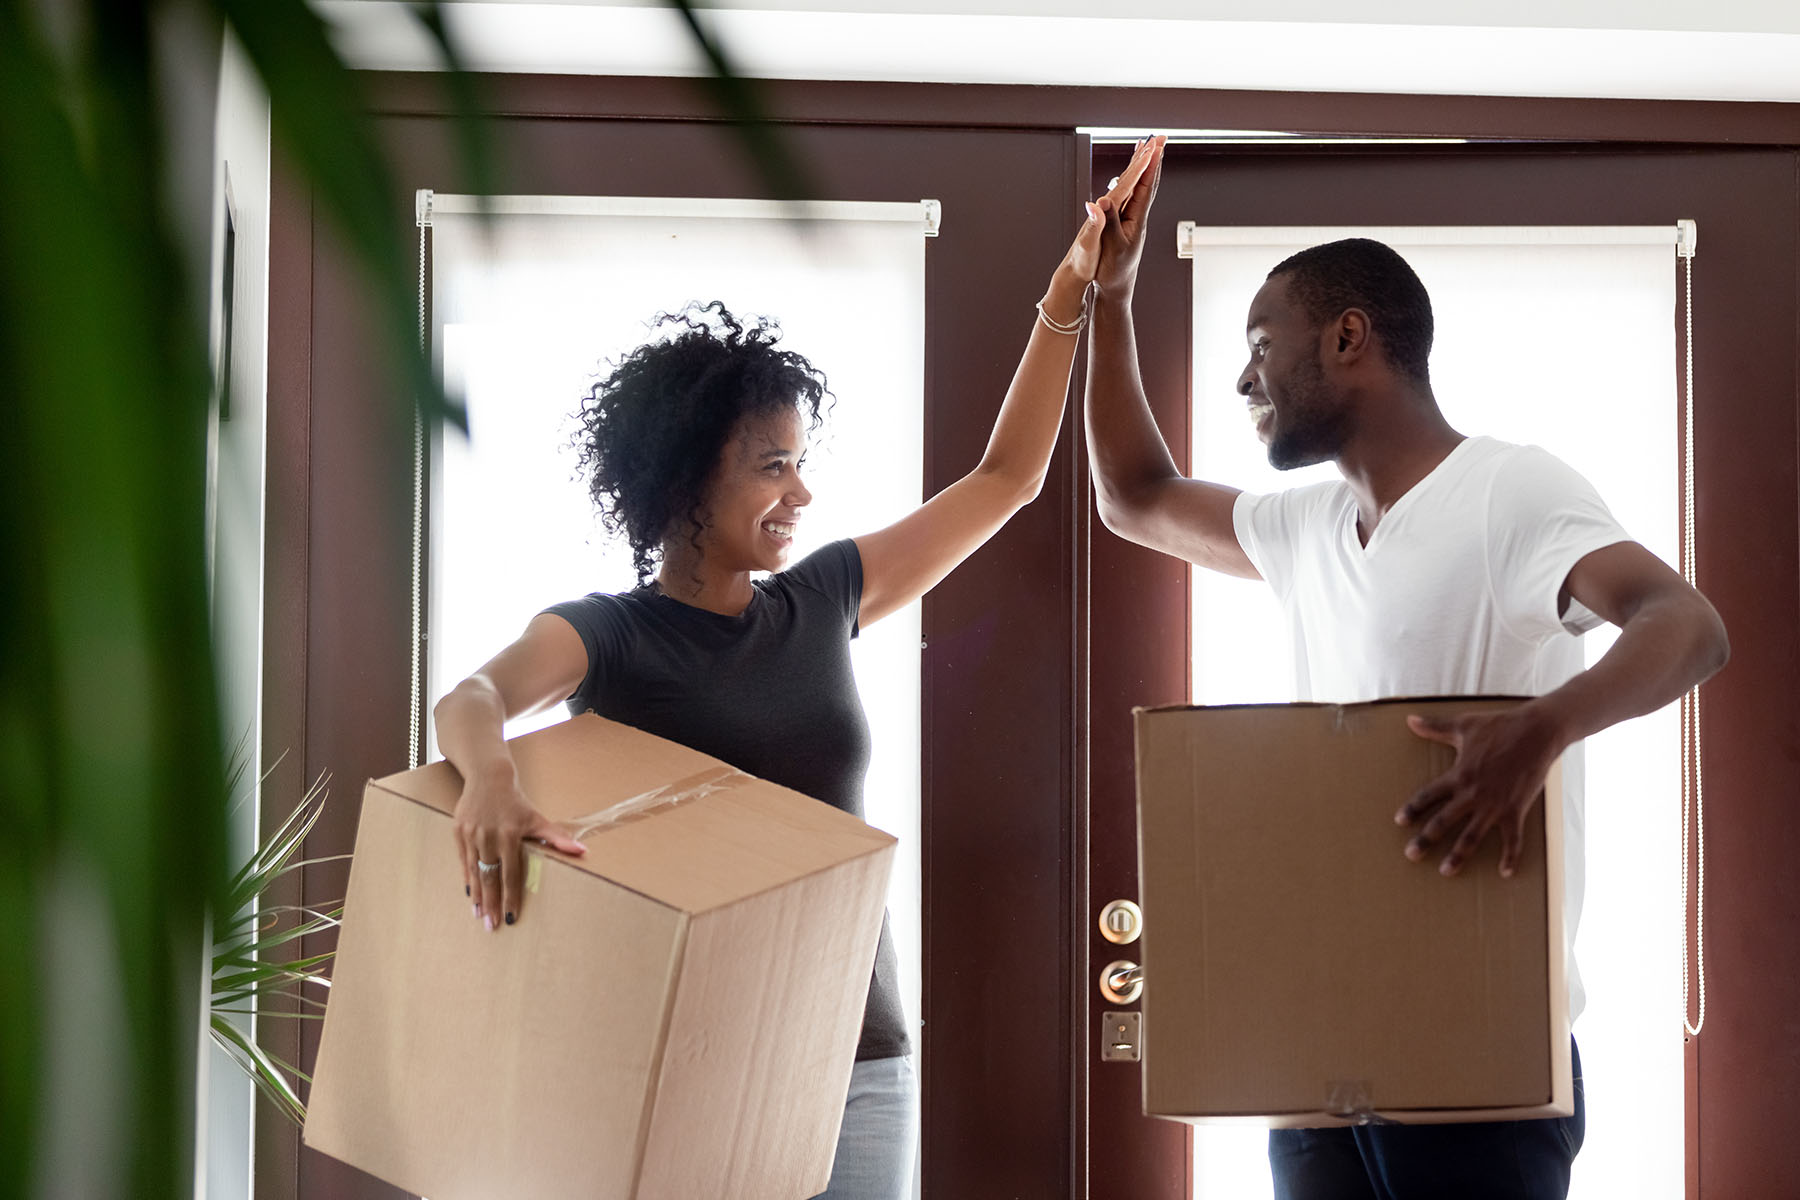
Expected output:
(487, 868)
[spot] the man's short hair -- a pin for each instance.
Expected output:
(1361, 273)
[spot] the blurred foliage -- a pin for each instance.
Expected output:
(252, 964)
(113, 813)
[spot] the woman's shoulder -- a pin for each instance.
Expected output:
(834, 569)
(598, 610)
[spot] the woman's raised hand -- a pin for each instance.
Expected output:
(1066, 299)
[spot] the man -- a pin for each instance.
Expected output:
(1439, 565)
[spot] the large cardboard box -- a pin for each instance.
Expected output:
(1298, 969)
(675, 1015)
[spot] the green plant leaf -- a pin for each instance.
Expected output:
(473, 132)
(739, 100)
(319, 112)
(268, 1072)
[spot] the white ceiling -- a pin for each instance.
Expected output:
(1648, 49)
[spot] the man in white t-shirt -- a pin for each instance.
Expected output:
(1438, 565)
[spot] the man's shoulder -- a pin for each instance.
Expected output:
(1496, 454)
(1291, 515)
(1523, 472)
(1302, 499)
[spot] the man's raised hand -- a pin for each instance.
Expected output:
(1127, 208)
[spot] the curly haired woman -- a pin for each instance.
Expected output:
(693, 448)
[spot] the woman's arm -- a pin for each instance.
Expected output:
(544, 666)
(908, 558)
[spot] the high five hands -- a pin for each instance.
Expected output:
(1088, 254)
(1126, 206)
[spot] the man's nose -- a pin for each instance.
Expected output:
(1245, 382)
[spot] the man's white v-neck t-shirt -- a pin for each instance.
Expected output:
(1455, 594)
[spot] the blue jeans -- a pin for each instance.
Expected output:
(881, 1126)
(1496, 1160)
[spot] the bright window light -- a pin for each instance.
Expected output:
(1570, 347)
(525, 316)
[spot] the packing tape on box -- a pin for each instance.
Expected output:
(682, 791)
(1351, 1099)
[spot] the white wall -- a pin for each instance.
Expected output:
(235, 540)
(1654, 49)
(1742, 16)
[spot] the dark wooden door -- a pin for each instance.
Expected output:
(1036, 650)
(1742, 1071)
(1002, 816)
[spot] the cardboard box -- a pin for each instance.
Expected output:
(1298, 969)
(675, 1015)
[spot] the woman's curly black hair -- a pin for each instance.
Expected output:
(651, 431)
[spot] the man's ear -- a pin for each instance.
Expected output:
(1353, 333)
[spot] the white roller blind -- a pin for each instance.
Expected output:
(525, 313)
(1565, 337)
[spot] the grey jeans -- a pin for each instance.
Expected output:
(881, 1126)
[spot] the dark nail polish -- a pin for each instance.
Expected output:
(509, 918)
(465, 889)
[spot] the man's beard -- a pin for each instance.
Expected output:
(1309, 427)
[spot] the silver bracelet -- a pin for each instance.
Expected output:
(1073, 327)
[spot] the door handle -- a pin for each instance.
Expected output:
(1121, 981)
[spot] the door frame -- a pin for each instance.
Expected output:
(997, 803)
(1748, 535)
(1745, 285)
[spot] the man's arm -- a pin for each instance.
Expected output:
(1670, 639)
(1140, 494)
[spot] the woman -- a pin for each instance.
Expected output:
(693, 447)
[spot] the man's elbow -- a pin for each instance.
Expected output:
(1716, 644)
(1116, 519)
(1121, 511)
(1701, 630)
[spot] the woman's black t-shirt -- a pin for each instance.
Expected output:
(769, 691)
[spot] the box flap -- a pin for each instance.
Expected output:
(659, 818)
(569, 770)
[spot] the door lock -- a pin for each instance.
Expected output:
(1121, 922)
(1119, 1037)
